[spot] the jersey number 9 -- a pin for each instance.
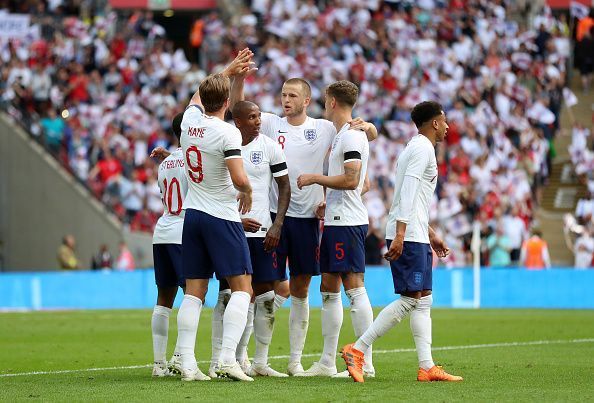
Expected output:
(195, 171)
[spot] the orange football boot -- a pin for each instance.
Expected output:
(436, 373)
(354, 360)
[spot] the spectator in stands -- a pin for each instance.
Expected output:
(499, 247)
(102, 260)
(53, 131)
(584, 58)
(584, 249)
(515, 229)
(67, 259)
(125, 259)
(535, 252)
(143, 221)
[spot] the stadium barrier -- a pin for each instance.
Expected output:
(500, 288)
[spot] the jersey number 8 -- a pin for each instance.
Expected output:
(195, 171)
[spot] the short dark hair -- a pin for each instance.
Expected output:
(424, 112)
(241, 107)
(176, 125)
(214, 91)
(345, 92)
(304, 85)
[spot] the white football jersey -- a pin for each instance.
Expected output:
(345, 207)
(207, 142)
(174, 186)
(417, 160)
(262, 159)
(305, 148)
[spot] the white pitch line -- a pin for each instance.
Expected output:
(280, 357)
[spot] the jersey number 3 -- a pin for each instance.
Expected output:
(195, 171)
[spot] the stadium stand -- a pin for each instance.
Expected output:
(100, 95)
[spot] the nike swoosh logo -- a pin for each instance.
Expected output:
(280, 131)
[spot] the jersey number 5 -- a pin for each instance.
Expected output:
(167, 197)
(195, 171)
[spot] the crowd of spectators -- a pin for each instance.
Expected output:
(579, 228)
(101, 92)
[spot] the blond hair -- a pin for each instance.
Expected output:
(214, 91)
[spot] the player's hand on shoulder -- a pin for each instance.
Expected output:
(250, 225)
(305, 180)
(395, 250)
(272, 237)
(321, 211)
(160, 153)
(359, 124)
(245, 202)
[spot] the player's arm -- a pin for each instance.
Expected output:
(408, 195)
(349, 180)
(241, 63)
(353, 146)
(284, 198)
(241, 183)
(160, 153)
(437, 244)
(238, 77)
(369, 128)
(366, 185)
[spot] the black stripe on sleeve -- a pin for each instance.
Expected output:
(232, 153)
(278, 167)
(352, 155)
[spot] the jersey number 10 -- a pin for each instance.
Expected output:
(195, 171)
(168, 196)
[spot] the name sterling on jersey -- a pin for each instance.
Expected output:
(170, 164)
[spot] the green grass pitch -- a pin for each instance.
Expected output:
(504, 355)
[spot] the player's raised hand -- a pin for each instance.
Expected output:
(305, 180)
(395, 250)
(245, 202)
(160, 153)
(242, 64)
(250, 225)
(439, 246)
(321, 211)
(272, 238)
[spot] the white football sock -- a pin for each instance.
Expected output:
(160, 328)
(263, 326)
(217, 325)
(279, 300)
(420, 325)
(331, 324)
(362, 317)
(298, 324)
(233, 325)
(241, 354)
(386, 320)
(187, 325)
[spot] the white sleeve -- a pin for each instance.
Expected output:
(353, 146)
(269, 124)
(232, 143)
(418, 162)
(408, 194)
(278, 162)
(328, 131)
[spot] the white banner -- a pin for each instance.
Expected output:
(14, 25)
(569, 97)
(578, 10)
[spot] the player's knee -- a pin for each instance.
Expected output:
(299, 286)
(282, 288)
(330, 282)
(166, 296)
(353, 280)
